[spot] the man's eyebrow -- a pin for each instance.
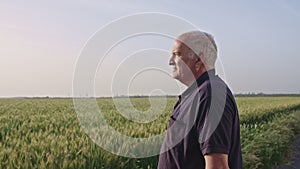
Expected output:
(176, 53)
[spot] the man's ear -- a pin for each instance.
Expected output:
(198, 64)
(202, 56)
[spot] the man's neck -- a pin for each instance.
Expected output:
(196, 75)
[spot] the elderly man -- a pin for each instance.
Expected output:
(204, 128)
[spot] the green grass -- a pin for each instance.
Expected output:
(45, 133)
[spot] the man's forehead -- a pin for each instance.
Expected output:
(179, 45)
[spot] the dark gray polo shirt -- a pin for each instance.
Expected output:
(204, 120)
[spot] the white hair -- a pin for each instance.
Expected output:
(201, 43)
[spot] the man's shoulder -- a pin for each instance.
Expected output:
(213, 83)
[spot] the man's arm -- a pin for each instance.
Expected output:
(216, 161)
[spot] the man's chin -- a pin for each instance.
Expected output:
(175, 77)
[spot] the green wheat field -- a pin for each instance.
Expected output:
(45, 132)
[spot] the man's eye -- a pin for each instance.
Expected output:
(176, 54)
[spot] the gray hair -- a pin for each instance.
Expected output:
(201, 43)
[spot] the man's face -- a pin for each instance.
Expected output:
(183, 65)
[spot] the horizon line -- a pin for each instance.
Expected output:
(143, 96)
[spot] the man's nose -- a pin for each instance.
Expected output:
(171, 61)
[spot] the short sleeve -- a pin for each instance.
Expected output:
(214, 128)
(219, 140)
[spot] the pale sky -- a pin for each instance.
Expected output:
(40, 42)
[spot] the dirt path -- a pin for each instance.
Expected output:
(295, 161)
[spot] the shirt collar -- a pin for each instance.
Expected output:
(205, 76)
